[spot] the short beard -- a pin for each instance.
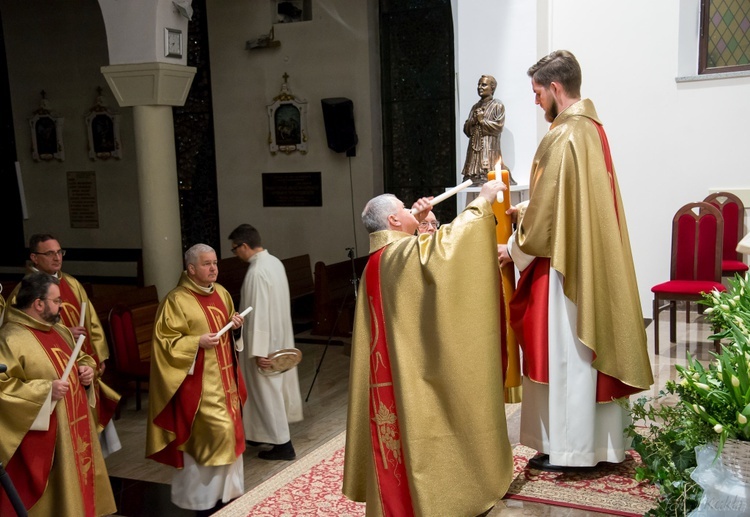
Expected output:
(49, 317)
(553, 112)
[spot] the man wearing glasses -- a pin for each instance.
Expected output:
(273, 402)
(429, 225)
(67, 475)
(426, 429)
(47, 257)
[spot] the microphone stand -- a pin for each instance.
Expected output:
(355, 284)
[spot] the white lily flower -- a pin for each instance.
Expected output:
(718, 428)
(702, 386)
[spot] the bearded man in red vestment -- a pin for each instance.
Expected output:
(49, 441)
(576, 310)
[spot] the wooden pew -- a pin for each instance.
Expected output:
(301, 286)
(334, 292)
(231, 274)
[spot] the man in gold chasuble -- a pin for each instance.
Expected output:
(426, 430)
(48, 437)
(196, 390)
(576, 310)
(46, 255)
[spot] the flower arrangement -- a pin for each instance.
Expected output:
(720, 393)
(709, 404)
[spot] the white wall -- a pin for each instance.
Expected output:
(671, 142)
(330, 56)
(62, 54)
(497, 38)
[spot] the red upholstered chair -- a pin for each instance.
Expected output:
(128, 363)
(697, 233)
(733, 210)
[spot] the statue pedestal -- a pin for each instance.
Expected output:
(518, 193)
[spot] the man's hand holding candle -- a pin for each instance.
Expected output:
(421, 208)
(490, 189)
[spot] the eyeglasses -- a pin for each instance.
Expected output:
(51, 253)
(425, 224)
(56, 301)
(234, 248)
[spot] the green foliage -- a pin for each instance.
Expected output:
(720, 393)
(711, 403)
(665, 435)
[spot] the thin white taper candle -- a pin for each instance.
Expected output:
(73, 357)
(83, 314)
(229, 325)
(445, 195)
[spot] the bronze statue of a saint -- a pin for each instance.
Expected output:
(483, 127)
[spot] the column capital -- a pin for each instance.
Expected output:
(149, 84)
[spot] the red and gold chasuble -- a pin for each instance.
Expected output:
(384, 424)
(529, 313)
(70, 316)
(180, 413)
(31, 464)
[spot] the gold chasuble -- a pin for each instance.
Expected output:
(194, 412)
(426, 430)
(55, 465)
(73, 294)
(575, 224)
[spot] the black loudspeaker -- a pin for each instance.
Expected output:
(338, 115)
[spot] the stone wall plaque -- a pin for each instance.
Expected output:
(292, 189)
(83, 205)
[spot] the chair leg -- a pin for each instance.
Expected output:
(137, 395)
(687, 312)
(656, 325)
(673, 321)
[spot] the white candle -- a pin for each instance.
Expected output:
(73, 357)
(445, 195)
(83, 314)
(229, 325)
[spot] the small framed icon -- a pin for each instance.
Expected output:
(172, 42)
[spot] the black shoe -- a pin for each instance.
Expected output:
(285, 451)
(251, 443)
(541, 462)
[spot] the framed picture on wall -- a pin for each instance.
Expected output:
(103, 128)
(46, 133)
(287, 120)
(46, 137)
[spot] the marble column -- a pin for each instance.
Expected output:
(152, 89)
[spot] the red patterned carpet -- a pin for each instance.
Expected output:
(311, 486)
(610, 489)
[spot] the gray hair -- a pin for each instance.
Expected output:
(192, 254)
(376, 212)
